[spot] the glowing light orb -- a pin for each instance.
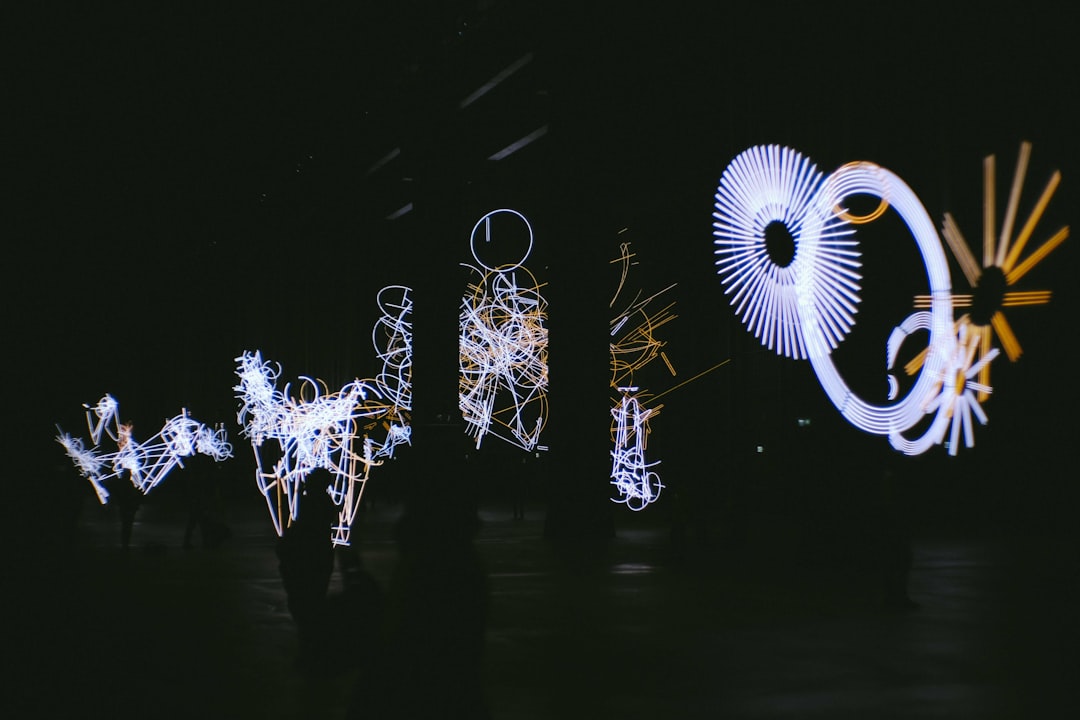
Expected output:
(503, 347)
(147, 463)
(806, 307)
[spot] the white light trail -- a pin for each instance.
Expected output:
(147, 463)
(392, 338)
(320, 432)
(503, 348)
(637, 485)
(634, 346)
(519, 144)
(806, 307)
(955, 400)
(771, 184)
(493, 82)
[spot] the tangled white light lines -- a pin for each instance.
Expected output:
(637, 484)
(314, 433)
(806, 307)
(146, 463)
(392, 338)
(503, 346)
(633, 347)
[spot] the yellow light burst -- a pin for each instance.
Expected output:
(1003, 254)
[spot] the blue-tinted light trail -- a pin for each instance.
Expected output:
(805, 308)
(148, 462)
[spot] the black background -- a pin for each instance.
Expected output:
(188, 185)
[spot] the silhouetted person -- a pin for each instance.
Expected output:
(430, 661)
(126, 498)
(195, 498)
(70, 490)
(203, 497)
(894, 540)
(306, 561)
(355, 615)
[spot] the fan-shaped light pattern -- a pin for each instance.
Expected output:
(318, 429)
(636, 484)
(773, 184)
(1002, 253)
(955, 402)
(503, 349)
(805, 308)
(634, 346)
(147, 463)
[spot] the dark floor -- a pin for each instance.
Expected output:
(639, 627)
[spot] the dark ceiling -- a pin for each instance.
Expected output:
(191, 185)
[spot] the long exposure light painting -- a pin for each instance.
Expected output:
(147, 463)
(503, 345)
(311, 433)
(806, 307)
(319, 429)
(392, 338)
(634, 346)
(1001, 267)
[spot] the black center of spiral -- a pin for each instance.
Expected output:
(779, 243)
(989, 293)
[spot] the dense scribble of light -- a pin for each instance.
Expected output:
(105, 419)
(805, 308)
(317, 430)
(635, 482)
(148, 462)
(89, 464)
(634, 346)
(768, 184)
(503, 348)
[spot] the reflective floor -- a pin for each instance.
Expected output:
(639, 627)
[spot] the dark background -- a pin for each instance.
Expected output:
(188, 185)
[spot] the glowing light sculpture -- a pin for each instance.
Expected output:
(767, 185)
(320, 432)
(392, 338)
(503, 348)
(637, 484)
(148, 462)
(957, 394)
(634, 346)
(806, 307)
(1000, 260)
